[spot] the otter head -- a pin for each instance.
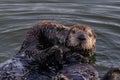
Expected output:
(81, 37)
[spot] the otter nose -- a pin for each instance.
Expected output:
(82, 37)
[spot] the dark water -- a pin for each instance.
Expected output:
(17, 16)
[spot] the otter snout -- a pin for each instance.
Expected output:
(81, 37)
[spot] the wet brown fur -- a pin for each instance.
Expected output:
(47, 34)
(41, 40)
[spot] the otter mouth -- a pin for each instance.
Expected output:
(83, 48)
(81, 45)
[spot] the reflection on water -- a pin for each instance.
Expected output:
(17, 16)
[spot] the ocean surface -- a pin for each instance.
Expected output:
(103, 16)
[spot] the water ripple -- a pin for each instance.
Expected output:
(17, 16)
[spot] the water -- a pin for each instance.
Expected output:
(17, 16)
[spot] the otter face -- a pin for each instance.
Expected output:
(81, 37)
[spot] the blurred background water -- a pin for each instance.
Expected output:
(103, 16)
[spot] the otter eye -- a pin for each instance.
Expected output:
(90, 35)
